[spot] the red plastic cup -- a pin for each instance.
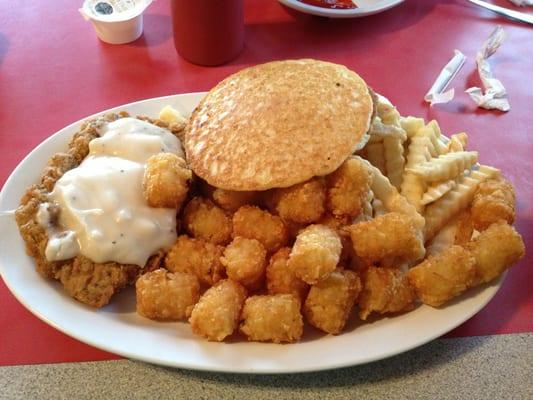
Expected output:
(208, 32)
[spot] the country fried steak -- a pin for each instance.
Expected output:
(88, 282)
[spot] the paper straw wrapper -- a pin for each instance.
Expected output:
(436, 94)
(522, 3)
(495, 96)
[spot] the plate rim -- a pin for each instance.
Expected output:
(339, 13)
(491, 288)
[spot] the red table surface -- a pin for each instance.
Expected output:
(53, 71)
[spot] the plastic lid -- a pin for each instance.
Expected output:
(113, 10)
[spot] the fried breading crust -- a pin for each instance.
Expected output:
(88, 282)
(303, 203)
(166, 180)
(272, 318)
(217, 313)
(280, 279)
(204, 220)
(465, 228)
(495, 250)
(391, 236)
(253, 223)
(385, 290)
(315, 253)
(164, 295)
(198, 257)
(330, 301)
(231, 200)
(348, 188)
(245, 261)
(444, 276)
(94, 284)
(338, 223)
(494, 201)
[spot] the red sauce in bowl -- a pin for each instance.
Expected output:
(338, 4)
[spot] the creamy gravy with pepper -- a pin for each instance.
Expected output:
(103, 214)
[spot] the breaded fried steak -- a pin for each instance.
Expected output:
(40, 218)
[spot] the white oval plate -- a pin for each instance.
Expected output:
(118, 329)
(364, 8)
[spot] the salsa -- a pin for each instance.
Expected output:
(339, 4)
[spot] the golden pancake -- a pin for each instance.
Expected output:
(278, 124)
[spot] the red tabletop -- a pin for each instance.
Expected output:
(53, 71)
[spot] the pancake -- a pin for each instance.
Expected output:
(278, 124)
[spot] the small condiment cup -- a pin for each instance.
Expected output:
(115, 21)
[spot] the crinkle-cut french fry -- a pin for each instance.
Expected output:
(441, 211)
(439, 145)
(446, 166)
(387, 112)
(380, 130)
(431, 140)
(420, 150)
(443, 239)
(411, 125)
(412, 186)
(437, 190)
(375, 139)
(391, 199)
(375, 153)
(394, 161)
(378, 208)
(413, 189)
(457, 142)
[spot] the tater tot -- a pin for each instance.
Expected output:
(494, 201)
(304, 202)
(315, 253)
(272, 318)
(337, 223)
(348, 188)
(389, 236)
(198, 257)
(385, 290)
(465, 228)
(205, 220)
(495, 250)
(217, 313)
(280, 278)
(330, 301)
(253, 223)
(444, 276)
(245, 261)
(231, 200)
(166, 180)
(164, 295)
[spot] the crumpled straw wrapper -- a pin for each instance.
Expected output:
(495, 96)
(522, 3)
(436, 94)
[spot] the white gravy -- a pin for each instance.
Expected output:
(103, 214)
